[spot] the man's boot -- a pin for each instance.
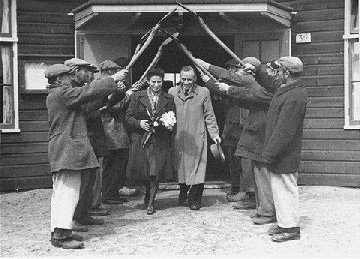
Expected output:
(183, 195)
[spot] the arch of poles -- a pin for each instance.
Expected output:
(149, 36)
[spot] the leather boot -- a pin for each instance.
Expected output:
(183, 195)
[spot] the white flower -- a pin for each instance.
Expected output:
(168, 119)
(156, 124)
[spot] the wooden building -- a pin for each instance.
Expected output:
(323, 33)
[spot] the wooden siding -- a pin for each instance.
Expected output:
(45, 32)
(330, 154)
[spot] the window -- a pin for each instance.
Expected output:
(352, 65)
(8, 62)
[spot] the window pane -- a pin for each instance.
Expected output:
(354, 61)
(354, 16)
(6, 85)
(355, 80)
(5, 16)
(251, 49)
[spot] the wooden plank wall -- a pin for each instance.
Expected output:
(45, 32)
(330, 155)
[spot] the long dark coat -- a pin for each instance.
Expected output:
(284, 128)
(69, 145)
(153, 159)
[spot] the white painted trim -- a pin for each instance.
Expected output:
(199, 8)
(7, 39)
(272, 12)
(15, 73)
(17, 130)
(347, 93)
(290, 50)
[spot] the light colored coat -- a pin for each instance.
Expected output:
(194, 114)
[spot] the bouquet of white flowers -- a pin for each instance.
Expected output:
(168, 120)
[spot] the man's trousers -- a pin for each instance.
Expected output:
(247, 179)
(88, 177)
(65, 197)
(286, 199)
(264, 197)
(114, 173)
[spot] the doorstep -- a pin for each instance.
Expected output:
(208, 185)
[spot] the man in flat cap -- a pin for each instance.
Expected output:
(248, 93)
(70, 152)
(83, 74)
(117, 143)
(282, 149)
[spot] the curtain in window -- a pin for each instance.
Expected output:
(5, 16)
(7, 84)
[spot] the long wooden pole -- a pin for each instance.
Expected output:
(212, 35)
(138, 84)
(190, 56)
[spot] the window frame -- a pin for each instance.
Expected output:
(12, 39)
(349, 37)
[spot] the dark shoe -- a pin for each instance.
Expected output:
(67, 243)
(236, 197)
(112, 202)
(286, 236)
(274, 230)
(195, 207)
(90, 221)
(76, 237)
(98, 212)
(150, 210)
(79, 228)
(244, 205)
(262, 220)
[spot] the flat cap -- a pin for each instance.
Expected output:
(232, 63)
(76, 62)
(56, 70)
(122, 61)
(107, 65)
(253, 61)
(293, 64)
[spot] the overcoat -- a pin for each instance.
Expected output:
(69, 146)
(154, 159)
(284, 128)
(195, 115)
(248, 94)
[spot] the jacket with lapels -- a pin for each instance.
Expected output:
(140, 109)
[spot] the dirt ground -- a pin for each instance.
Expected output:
(330, 225)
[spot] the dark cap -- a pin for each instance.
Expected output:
(107, 65)
(253, 61)
(293, 64)
(56, 70)
(232, 63)
(76, 62)
(122, 61)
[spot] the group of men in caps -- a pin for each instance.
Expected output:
(268, 143)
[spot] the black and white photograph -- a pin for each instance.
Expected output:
(180, 128)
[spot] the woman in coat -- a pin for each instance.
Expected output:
(195, 116)
(149, 151)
